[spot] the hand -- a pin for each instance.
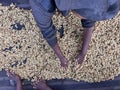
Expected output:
(80, 58)
(62, 58)
(13, 76)
(41, 85)
(63, 61)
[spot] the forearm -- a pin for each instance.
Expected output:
(86, 39)
(57, 51)
(59, 54)
(19, 85)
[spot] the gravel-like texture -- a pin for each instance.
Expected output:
(27, 53)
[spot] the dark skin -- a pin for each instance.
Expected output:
(16, 78)
(40, 85)
(62, 58)
(85, 45)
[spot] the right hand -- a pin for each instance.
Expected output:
(62, 58)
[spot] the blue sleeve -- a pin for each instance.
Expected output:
(43, 11)
(87, 23)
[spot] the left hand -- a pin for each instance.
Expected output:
(64, 62)
(13, 76)
(80, 58)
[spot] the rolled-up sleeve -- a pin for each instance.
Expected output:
(87, 23)
(43, 11)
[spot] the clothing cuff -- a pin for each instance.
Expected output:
(50, 36)
(87, 23)
(52, 42)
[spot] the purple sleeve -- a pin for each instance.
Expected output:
(42, 11)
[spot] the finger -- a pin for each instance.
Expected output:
(77, 57)
(7, 70)
(80, 61)
(9, 73)
(34, 84)
(41, 80)
(12, 72)
(64, 66)
(61, 65)
(34, 87)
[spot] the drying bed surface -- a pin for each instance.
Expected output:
(28, 54)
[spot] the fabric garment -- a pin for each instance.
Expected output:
(92, 10)
(24, 4)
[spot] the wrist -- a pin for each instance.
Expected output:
(83, 52)
(18, 80)
(57, 51)
(19, 85)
